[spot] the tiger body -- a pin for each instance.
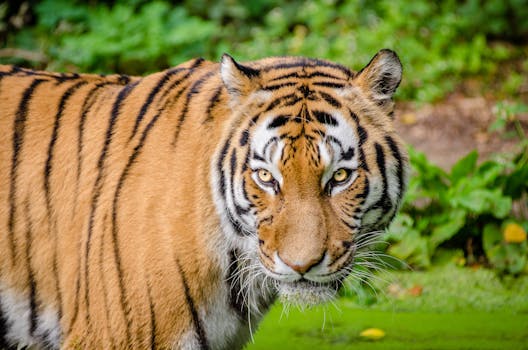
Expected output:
(134, 211)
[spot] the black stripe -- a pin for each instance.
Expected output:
(303, 75)
(380, 160)
(399, 163)
(103, 283)
(219, 166)
(198, 327)
(305, 62)
(152, 317)
(325, 118)
(223, 189)
(144, 108)
(47, 188)
(212, 104)
(347, 155)
(383, 202)
(244, 138)
(363, 136)
(278, 121)
(236, 299)
(363, 195)
(4, 329)
(31, 275)
(194, 89)
(330, 100)
(18, 141)
(271, 141)
(329, 84)
(115, 229)
(289, 100)
(278, 86)
(98, 187)
(89, 101)
(239, 210)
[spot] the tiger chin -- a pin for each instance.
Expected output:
(171, 211)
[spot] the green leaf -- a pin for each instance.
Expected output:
(464, 166)
(517, 182)
(443, 232)
(516, 258)
(491, 237)
(501, 207)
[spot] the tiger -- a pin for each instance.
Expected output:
(171, 211)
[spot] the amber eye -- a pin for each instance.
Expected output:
(340, 175)
(264, 176)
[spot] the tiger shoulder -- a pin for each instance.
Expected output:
(172, 210)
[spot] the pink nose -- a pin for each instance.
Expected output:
(303, 267)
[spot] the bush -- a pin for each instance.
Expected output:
(440, 43)
(468, 207)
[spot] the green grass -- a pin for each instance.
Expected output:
(460, 308)
(404, 330)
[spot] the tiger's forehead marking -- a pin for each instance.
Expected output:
(330, 136)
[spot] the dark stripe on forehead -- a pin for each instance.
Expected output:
(348, 154)
(286, 100)
(303, 75)
(304, 62)
(330, 100)
(278, 86)
(278, 121)
(325, 118)
(329, 84)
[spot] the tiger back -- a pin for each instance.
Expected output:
(171, 211)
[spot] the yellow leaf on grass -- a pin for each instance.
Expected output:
(514, 233)
(372, 333)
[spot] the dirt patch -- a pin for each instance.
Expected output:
(448, 130)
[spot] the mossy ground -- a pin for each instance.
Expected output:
(458, 308)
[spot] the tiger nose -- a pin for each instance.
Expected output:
(303, 267)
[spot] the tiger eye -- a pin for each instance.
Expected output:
(340, 175)
(264, 175)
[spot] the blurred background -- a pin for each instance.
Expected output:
(454, 274)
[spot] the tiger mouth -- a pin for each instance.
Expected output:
(308, 293)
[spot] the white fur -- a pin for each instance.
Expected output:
(16, 309)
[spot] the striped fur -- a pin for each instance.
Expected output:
(133, 213)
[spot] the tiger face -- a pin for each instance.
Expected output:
(314, 167)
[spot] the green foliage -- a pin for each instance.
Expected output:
(440, 43)
(507, 257)
(122, 37)
(459, 206)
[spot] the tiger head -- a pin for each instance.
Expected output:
(309, 165)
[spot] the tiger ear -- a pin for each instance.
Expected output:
(239, 80)
(380, 78)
